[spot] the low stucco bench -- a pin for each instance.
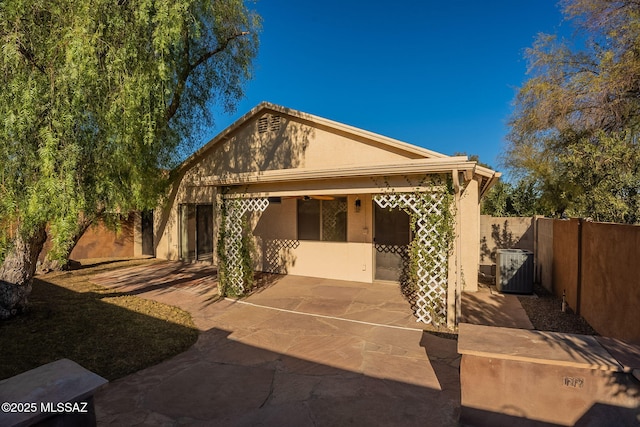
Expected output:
(519, 377)
(59, 393)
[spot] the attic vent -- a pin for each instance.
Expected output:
(269, 123)
(263, 124)
(274, 123)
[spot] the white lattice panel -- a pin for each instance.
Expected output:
(431, 298)
(235, 209)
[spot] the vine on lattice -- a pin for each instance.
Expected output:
(432, 224)
(235, 245)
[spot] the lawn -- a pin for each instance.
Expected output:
(109, 333)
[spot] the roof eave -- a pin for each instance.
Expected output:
(411, 167)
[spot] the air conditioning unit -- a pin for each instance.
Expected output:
(514, 271)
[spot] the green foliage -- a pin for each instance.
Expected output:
(574, 132)
(246, 252)
(495, 202)
(506, 199)
(429, 258)
(101, 97)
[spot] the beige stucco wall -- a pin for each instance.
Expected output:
(166, 227)
(469, 217)
(277, 247)
(297, 144)
(278, 221)
(333, 260)
(137, 234)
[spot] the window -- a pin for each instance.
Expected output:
(309, 219)
(323, 219)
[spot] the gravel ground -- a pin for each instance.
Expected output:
(545, 312)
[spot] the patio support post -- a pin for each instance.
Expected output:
(234, 209)
(432, 274)
(452, 318)
(217, 218)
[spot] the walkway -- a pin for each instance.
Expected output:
(300, 352)
(491, 308)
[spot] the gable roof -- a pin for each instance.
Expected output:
(428, 161)
(264, 107)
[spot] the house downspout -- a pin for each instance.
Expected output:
(458, 304)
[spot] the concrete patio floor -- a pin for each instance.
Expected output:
(489, 307)
(300, 351)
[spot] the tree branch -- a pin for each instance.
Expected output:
(186, 72)
(30, 57)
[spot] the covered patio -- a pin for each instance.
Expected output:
(194, 287)
(282, 191)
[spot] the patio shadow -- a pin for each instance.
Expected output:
(222, 381)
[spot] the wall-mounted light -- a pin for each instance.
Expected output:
(358, 205)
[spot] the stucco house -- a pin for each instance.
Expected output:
(324, 199)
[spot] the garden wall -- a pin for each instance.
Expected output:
(565, 260)
(597, 265)
(503, 233)
(610, 279)
(101, 242)
(544, 252)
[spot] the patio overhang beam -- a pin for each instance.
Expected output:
(409, 167)
(489, 178)
(242, 193)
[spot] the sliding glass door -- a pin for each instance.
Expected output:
(196, 232)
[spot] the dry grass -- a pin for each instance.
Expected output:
(109, 333)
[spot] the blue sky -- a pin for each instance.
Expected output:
(437, 74)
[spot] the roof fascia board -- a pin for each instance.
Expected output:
(410, 167)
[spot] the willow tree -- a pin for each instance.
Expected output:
(575, 127)
(98, 99)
